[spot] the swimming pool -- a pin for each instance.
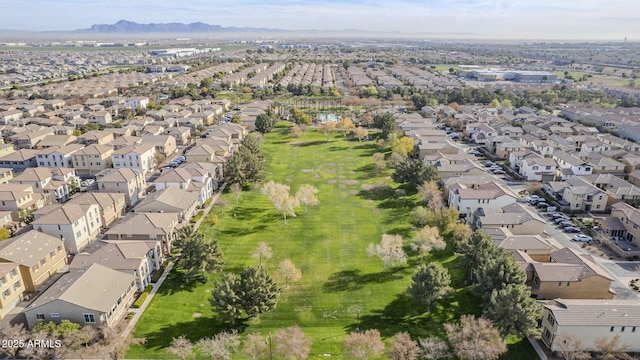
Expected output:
(328, 117)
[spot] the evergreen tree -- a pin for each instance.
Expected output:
(265, 123)
(234, 170)
(386, 123)
(414, 172)
(430, 283)
(497, 269)
(514, 311)
(473, 249)
(198, 255)
(259, 290)
(226, 297)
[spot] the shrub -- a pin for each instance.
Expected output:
(157, 274)
(142, 297)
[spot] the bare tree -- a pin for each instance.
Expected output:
(475, 339)
(363, 345)
(306, 194)
(262, 251)
(389, 250)
(222, 203)
(288, 271)
(571, 347)
(611, 348)
(361, 133)
(181, 347)
(403, 348)
(296, 131)
(236, 189)
(434, 348)
(291, 343)
(255, 347)
(281, 199)
(326, 129)
(460, 232)
(381, 164)
(431, 194)
(427, 239)
(221, 346)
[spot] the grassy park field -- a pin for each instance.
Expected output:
(341, 288)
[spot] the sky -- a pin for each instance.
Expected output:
(515, 19)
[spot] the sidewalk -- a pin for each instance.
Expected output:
(138, 312)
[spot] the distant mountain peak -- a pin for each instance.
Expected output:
(126, 26)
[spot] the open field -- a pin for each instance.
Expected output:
(341, 287)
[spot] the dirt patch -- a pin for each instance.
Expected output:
(367, 187)
(353, 192)
(352, 182)
(341, 177)
(307, 170)
(331, 164)
(351, 172)
(348, 157)
(197, 315)
(332, 181)
(342, 186)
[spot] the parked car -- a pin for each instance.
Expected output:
(542, 205)
(561, 220)
(556, 215)
(582, 238)
(566, 224)
(498, 172)
(533, 199)
(571, 229)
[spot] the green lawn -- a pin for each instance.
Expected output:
(327, 243)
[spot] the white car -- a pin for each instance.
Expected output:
(582, 238)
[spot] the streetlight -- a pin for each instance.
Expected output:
(268, 342)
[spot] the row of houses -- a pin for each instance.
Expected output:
(574, 290)
(84, 259)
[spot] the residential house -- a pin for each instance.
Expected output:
(56, 140)
(194, 180)
(629, 223)
(519, 219)
(37, 256)
(536, 247)
(570, 166)
(138, 258)
(59, 183)
(164, 144)
(19, 160)
(141, 158)
(537, 168)
(503, 146)
(6, 175)
(146, 227)
(58, 156)
(130, 182)
(139, 102)
(95, 137)
(616, 188)
(20, 199)
(170, 200)
(590, 320)
(182, 135)
(632, 162)
(10, 116)
(92, 159)
(602, 164)
(582, 196)
(467, 199)
(634, 178)
(11, 287)
(76, 224)
(214, 169)
(111, 205)
(96, 296)
(568, 275)
(29, 139)
(100, 117)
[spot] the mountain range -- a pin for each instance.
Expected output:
(124, 26)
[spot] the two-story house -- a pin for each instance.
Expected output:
(57, 183)
(100, 117)
(19, 160)
(20, 199)
(467, 199)
(516, 217)
(590, 320)
(96, 296)
(130, 182)
(616, 188)
(141, 158)
(628, 217)
(38, 257)
(11, 287)
(194, 180)
(92, 159)
(161, 227)
(76, 224)
(583, 196)
(95, 137)
(537, 168)
(570, 166)
(170, 200)
(164, 144)
(111, 205)
(58, 156)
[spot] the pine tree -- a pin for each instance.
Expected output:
(514, 311)
(430, 283)
(259, 290)
(497, 270)
(226, 297)
(473, 249)
(198, 256)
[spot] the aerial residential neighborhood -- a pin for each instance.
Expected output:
(172, 190)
